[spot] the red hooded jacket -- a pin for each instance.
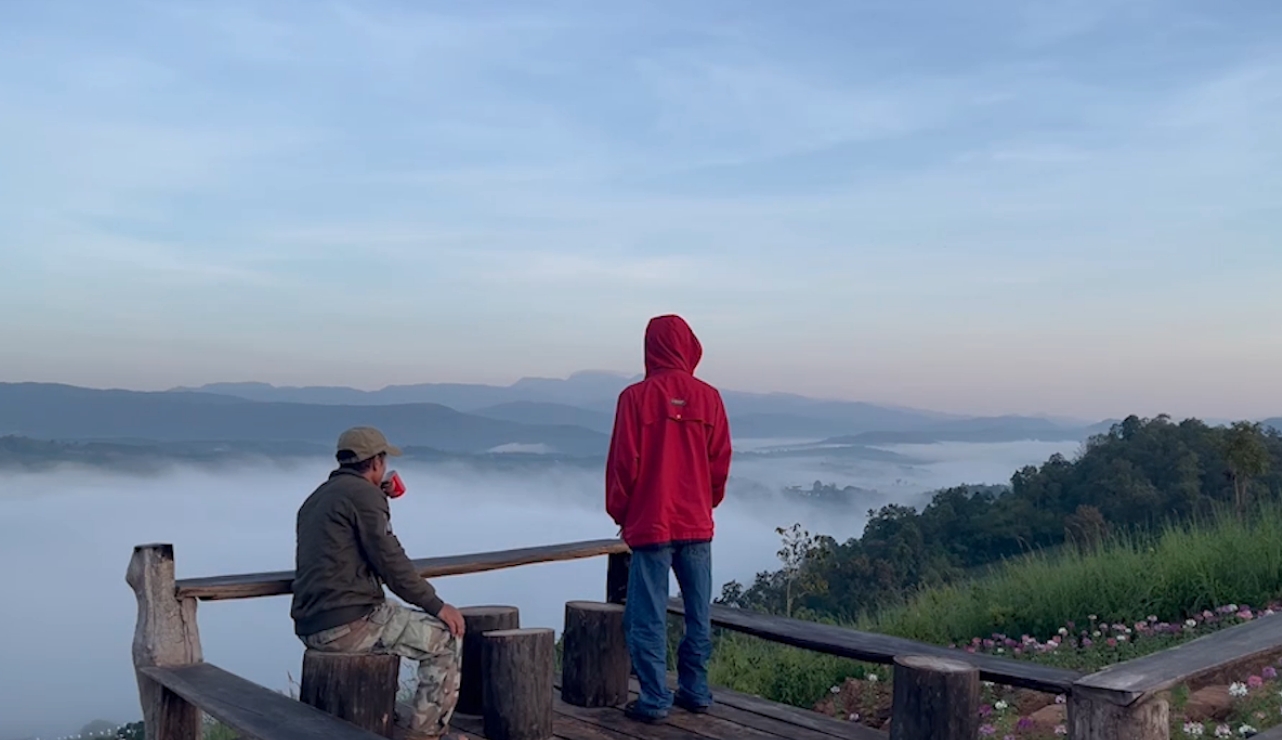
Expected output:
(670, 454)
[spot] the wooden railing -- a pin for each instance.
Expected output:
(175, 684)
(936, 693)
(1127, 700)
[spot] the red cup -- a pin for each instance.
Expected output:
(393, 485)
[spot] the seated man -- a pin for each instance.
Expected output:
(346, 551)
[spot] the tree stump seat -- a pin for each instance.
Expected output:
(360, 688)
(518, 668)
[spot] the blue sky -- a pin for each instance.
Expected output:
(1071, 206)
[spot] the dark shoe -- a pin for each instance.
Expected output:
(690, 706)
(632, 712)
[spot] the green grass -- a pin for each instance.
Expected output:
(1181, 571)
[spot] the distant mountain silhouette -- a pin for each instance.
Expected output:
(587, 388)
(538, 412)
(585, 397)
(571, 416)
(60, 412)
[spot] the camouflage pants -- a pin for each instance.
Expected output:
(409, 633)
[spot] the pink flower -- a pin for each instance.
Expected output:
(987, 730)
(1112, 642)
(1269, 672)
(1255, 682)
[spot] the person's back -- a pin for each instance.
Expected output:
(344, 553)
(666, 471)
(334, 583)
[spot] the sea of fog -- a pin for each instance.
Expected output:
(66, 536)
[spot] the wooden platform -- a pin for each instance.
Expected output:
(734, 716)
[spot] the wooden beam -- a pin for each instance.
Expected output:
(616, 577)
(252, 710)
(1127, 683)
(280, 583)
(876, 648)
(164, 635)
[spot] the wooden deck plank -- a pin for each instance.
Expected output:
(563, 728)
(279, 583)
(784, 719)
(254, 711)
(1127, 683)
(876, 648)
(613, 719)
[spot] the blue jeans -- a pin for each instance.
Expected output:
(645, 619)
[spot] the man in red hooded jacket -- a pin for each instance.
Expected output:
(666, 471)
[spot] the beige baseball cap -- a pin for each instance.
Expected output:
(362, 443)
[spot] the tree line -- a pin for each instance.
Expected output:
(1141, 474)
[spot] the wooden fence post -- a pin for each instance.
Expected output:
(479, 620)
(518, 667)
(165, 635)
(595, 663)
(616, 579)
(934, 699)
(1094, 718)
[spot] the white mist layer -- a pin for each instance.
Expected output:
(66, 538)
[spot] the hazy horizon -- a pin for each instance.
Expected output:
(1268, 409)
(239, 519)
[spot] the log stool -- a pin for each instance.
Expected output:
(594, 660)
(479, 620)
(936, 698)
(517, 671)
(357, 687)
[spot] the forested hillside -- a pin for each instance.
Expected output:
(1140, 474)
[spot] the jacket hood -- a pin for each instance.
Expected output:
(670, 344)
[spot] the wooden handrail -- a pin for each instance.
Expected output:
(1124, 700)
(279, 583)
(877, 648)
(1126, 683)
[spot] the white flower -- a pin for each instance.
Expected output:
(854, 718)
(872, 678)
(1194, 729)
(1060, 699)
(1223, 731)
(1063, 631)
(1190, 623)
(835, 689)
(1237, 690)
(1001, 706)
(1245, 730)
